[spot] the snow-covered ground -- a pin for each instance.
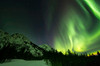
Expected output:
(17, 62)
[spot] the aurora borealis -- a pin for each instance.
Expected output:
(62, 24)
(75, 31)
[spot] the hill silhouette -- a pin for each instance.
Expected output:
(17, 46)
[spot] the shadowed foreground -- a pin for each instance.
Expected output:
(17, 46)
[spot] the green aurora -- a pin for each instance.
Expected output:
(74, 31)
(62, 24)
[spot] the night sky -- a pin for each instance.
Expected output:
(62, 24)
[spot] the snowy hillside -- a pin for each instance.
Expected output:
(46, 47)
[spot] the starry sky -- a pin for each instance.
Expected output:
(62, 24)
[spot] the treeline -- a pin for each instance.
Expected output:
(71, 59)
(17, 46)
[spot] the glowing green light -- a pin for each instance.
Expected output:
(94, 7)
(73, 33)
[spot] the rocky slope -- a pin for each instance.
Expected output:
(18, 46)
(46, 47)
